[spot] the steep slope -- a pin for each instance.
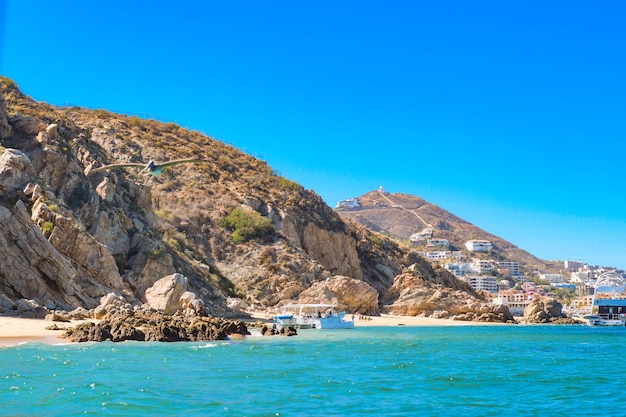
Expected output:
(401, 215)
(230, 224)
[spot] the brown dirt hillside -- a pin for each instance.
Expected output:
(401, 215)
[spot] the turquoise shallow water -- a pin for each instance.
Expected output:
(395, 371)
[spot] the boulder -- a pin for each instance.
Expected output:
(349, 294)
(165, 295)
(543, 310)
(28, 125)
(191, 304)
(236, 304)
(110, 304)
(16, 171)
(57, 316)
(6, 304)
(30, 309)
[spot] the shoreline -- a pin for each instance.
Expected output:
(17, 330)
(387, 320)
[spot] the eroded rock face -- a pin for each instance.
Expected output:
(336, 251)
(348, 294)
(5, 127)
(32, 267)
(96, 267)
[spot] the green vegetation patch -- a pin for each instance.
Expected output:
(247, 225)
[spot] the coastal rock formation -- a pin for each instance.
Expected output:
(348, 294)
(32, 267)
(546, 310)
(72, 239)
(416, 292)
(157, 327)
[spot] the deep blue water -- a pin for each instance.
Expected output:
(393, 371)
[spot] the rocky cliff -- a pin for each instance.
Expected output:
(240, 234)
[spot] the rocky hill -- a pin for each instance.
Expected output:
(401, 215)
(241, 234)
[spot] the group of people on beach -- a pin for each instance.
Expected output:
(359, 316)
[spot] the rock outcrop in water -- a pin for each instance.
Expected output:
(155, 327)
(543, 310)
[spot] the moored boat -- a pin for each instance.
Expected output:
(609, 301)
(312, 316)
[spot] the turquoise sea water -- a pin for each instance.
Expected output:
(393, 371)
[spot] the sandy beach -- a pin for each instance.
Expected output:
(388, 320)
(15, 330)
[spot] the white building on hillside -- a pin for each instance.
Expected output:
(482, 265)
(478, 245)
(422, 236)
(489, 284)
(459, 269)
(438, 242)
(349, 203)
(552, 278)
(436, 255)
(573, 265)
(516, 301)
(508, 268)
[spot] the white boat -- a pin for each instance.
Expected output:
(609, 301)
(595, 320)
(312, 316)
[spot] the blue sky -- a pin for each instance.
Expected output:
(510, 115)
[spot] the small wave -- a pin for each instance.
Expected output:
(208, 345)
